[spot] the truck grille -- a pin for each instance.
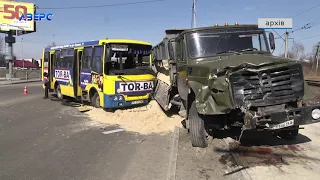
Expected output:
(267, 87)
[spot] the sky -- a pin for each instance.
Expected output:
(149, 21)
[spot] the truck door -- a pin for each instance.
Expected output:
(181, 69)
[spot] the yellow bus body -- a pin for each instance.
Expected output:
(109, 93)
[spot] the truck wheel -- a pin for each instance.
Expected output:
(289, 134)
(197, 129)
(95, 100)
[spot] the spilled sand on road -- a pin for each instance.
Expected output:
(144, 120)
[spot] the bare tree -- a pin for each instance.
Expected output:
(297, 51)
(290, 55)
(313, 54)
(2, 53)
(51, 45)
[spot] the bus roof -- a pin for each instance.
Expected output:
(97, 42)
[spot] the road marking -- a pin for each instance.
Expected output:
(241, 163)
(112, 131)
(171, 174)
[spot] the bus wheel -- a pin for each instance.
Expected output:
(95, 100)
(197, 128)
(58, 92)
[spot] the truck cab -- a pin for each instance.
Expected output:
(225, 77)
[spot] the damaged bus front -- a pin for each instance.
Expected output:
(226, 77)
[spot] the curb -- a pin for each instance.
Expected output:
(172, 166)
(19, 82)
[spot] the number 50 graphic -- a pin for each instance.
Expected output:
(13, 12)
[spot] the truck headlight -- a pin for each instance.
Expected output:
(315, 114)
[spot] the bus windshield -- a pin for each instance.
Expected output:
(127, 56)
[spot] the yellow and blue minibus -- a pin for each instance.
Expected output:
(108, 73)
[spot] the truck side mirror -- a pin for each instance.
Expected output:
(271, 41)
(171, 51)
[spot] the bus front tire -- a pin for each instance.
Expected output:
(95, 100)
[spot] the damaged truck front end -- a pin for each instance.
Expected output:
(270, 96)
(227, 78)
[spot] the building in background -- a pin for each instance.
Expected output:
(26, 63)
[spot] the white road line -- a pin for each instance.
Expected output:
(112, 131)
(239, 161)
(171, 174)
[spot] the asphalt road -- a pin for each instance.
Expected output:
(42, 139)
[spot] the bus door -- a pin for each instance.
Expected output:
(76, 72)
(51, 66)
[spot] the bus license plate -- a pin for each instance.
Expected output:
(137, 102)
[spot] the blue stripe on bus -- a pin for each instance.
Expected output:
(72, 45)
(110, 103)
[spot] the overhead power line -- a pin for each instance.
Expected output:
(308, 37)
(307, 26)
(102, 5)
(318, 5)
(307, 10)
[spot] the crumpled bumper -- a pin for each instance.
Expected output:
(292, 117)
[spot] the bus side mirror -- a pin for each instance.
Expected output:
(271, 41)
(171, 51)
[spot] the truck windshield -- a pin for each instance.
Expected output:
(208, 43)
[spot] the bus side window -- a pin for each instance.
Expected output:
(46, 59)
(63, 59)
(58, 60)
(87, 58)
(96, 64)
(80, 58)
(70, 58)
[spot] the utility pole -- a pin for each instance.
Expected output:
(10, 39)
(286, 46)
(194, 14)
(22, 52)
(53, 43)
(317, 57)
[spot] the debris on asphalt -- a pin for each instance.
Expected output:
(113, 131)
(144, 120)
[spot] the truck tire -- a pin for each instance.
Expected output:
(95, 100)
(197, 128)
(289, 134)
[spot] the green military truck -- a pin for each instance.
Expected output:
(225, 77)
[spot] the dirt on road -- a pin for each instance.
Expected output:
(144, 120)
